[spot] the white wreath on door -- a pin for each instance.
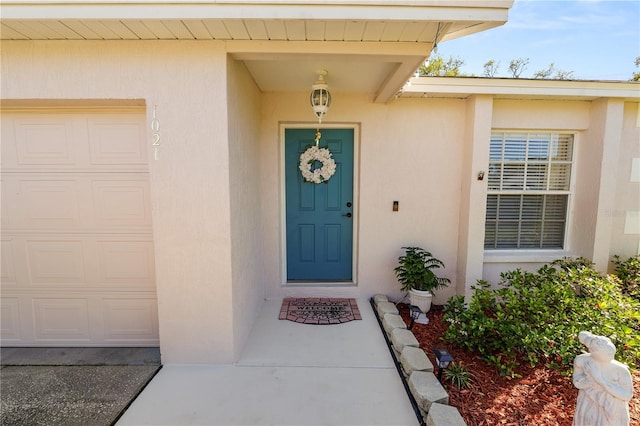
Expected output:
(321, 174)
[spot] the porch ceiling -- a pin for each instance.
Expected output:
(370, 46)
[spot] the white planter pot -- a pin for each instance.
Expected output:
(421, 299)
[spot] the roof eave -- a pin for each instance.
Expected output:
(254, 9)
(521, 88)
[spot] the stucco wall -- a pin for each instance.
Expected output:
(218, 186)
(425, 153)
(189, 181)
(540, 114)
(409, 151)
(596, 178)
(244, 171)
(625, 214)
(473, 195)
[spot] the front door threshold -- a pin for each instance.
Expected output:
(320, 283)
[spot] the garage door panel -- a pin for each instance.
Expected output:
(117, 262)
(4, 203)
(74, 141)
(84, 319)
(56, 262)
(61, 319)
(126, 262)
(42, 201)
(116, 140)
(7, 265)
(121, 203)
(45, 141)
(10, 319)
(77, 202)
(77, 253)
(130, 319)
(50, 204)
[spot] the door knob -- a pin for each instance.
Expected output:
(349, 204)
(347, 215)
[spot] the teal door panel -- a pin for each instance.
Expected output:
(319, 217)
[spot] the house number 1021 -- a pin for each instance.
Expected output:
(155, 136)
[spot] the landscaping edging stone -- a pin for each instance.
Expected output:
(380, 298)
(444, 415)
(426, 391)
(392, 321)
(401, 337)
(386, 308)
(414, 359)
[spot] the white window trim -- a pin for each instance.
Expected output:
(541, 255)
(524, 255)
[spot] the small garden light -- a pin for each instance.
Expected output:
(443, 359)
(414, 313)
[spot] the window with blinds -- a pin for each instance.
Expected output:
(529, 186)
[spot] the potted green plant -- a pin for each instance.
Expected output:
(416, 276)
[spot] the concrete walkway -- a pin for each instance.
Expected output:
(288, 374)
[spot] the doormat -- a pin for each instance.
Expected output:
(314, 310)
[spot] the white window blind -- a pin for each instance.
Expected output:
(529, 183)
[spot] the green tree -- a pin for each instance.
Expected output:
(563, 75)
(517, 66)
(436, 66)
(636, 75)
(552, 72)
(491, 68)
(545, 73)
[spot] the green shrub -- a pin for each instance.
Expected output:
(536, 317)
(567, 263)
(629, 273)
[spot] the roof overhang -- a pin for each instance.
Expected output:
(371, 46)
(517, 88)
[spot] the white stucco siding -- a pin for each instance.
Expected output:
(540, 114)
(189, 181)
(473, 195)
(244, 171)
(595, 182)
(409, 152)
(625, 214)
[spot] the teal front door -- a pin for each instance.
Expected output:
(319, 216)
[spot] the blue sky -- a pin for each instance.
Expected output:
(596, 39)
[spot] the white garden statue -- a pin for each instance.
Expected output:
(605, 385)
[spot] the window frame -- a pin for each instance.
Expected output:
(496, 254)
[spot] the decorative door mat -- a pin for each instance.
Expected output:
(314, 310)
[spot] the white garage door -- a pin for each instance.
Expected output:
(77, 248)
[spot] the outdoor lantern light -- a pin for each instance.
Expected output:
(320, 97)
(414, 313)
(443, 359)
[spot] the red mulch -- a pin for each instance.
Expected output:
(541, 397)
